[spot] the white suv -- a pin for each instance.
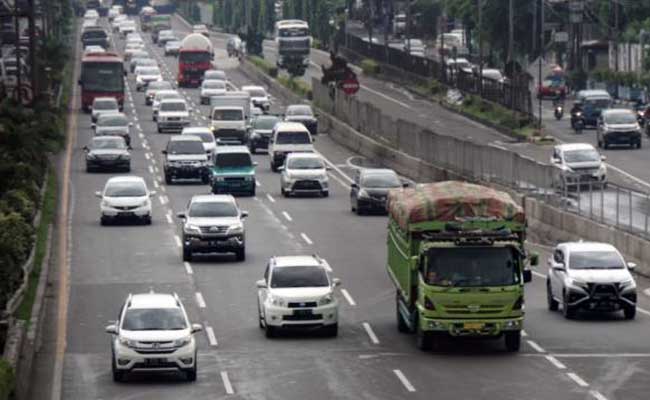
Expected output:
(579, 164)
(173, 115)
(296, 292)
(153, 333)
(288, 137)
(592, 277)
(304, 173)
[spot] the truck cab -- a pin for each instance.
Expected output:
(456, 255)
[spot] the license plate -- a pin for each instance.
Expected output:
(473, 326)
(302, 312)
(155, 361)
(127, 214)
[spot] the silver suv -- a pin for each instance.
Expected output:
(618, 127)
(213, 224)
(590, 276)
(153, 333)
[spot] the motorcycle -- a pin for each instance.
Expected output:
(579, 124)
(559, 111)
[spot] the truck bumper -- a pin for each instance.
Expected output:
(479, 327)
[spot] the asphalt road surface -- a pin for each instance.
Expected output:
(594, 357)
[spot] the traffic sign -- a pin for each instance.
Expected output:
(350, 86)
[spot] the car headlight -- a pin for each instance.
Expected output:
(576, 283)
(105, 203)
(602, 169)
(277, 301)
(128, 343)
(219, 179)
(91, 156)
(182, 342)
(325, 300)
(144, 203)
(236, 229)
(189, 228)
(629, 284)
(363, 193)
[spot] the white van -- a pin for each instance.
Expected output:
(288, 137)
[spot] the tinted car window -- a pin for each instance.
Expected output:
(125, 189)
(173, 106)
(595, 260)
(380, 181)
(226, 160)
(292, 138)
(265, 123)
(201, 209)
(154, 319)
(299, 277)
(185, 147)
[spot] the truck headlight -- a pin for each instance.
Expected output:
(325, 300)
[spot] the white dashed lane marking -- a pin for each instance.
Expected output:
(404, 381)
(306, 238)
(370, 333)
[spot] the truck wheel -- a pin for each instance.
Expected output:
(118, 376)
(629, 312)
(513, 341)
(274, 168)
(424, 340)
(205, 179)
(552, 303)
(402, 326)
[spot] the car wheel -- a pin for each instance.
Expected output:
(325, 193)
(568, 311)
(513, 341)
(259, 314)
(88, 168)
(274, 168)
(241, 254)
(269, 331)
(190, 374)
(127, 168)
(103, 221)
(147, 220)
(638, 144)
(253, 191)
(600, 144)
(168, 179)
(552, 303)
(605, 144)
(629, 312)
(252, 148)
(284, 192)
(205, 179)
(360, 210)
(118, 376)
(331, 330)
(159, 130)
(187, 254)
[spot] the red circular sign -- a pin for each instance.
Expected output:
(350, 86)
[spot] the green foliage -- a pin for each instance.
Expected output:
(265, 66)
(369, 66)
(299, 87)
(494, 113)
(7, 380)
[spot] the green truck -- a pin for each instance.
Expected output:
(456, 255)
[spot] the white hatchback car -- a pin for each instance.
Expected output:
(153, 333)
(304, 173)
(592, 277)
(579, 164)
(297, 291)
(146, 74)
(125, 198)
(104, 105)
(159, 97)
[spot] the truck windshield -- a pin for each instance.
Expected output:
(227, 160)
(192, 57)
(472, 267)
(227, 115)
(292, 138)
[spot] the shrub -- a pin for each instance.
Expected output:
(369, 66)
(297, 86)
(265, 66)
(7, 380)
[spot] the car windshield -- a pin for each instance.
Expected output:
(209, 209)
(214, 84)
(472, 266)
(300, 110)
(206, 137)
(256, 92)
(108, 143)
(264, 123)
(214, 75)
(586, 155)
(229, 160)
(154, 319)
(290, 277)
(227, 115)
(292, 138)
(620, 118)
(173, 43)
(162, 85)
(305, 163)
(117, 120)
(105, 105)
(384, 180)
(597, 103)
(173, 106)
(148, 61)
(148, 71)
(595, 260)
(125, 189)
(185, 147)
(163, 96)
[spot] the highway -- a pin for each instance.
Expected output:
(594, 357)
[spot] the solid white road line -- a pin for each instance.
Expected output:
(178, 241)
(188, 268)
(597, 395)
(146, 155)
(538, 274)
(257, 183)
(371, 333)
(200, 300)
(169, 219)
(524, 333)
(642, 311)
(226, 383)
(306, 238)
(574, 377)
(150, 169)
(535, 346)
(557, 363)
(404, 381)
(287, 216)
(271, 199)
(348, 297)
(212, 339)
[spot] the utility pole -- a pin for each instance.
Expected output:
(408, 26)
(32, 48)
(541, 56)
(615, 4)
(534, 40)
(480, 46)
(19, 78)
(511, 31)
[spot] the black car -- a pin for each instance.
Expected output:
(185, 158)
(370, 188)
(108, 153)
(260, 132)
(302, 113)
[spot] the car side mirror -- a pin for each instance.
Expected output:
(555, 160)
(152, 193)
(164, 152)
(79, 82)
(98, 194)
(328, 168)
(405, 184)
(244, 214)
(129, 147)
(255, 163)
(558, 267)
(534, 260)
(86, 149)
(112, 329)
(261, 284)
(124, 72)
(528, 275)
(631, 266)
(181, 215)
(603, 158)
(93, 126)
(354, 186)
(336, 282)
(196, 328)
(281, 168)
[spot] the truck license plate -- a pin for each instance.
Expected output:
(473, 326)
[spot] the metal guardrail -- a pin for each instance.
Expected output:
(515, 95)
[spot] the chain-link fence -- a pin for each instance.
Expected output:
(580, 193)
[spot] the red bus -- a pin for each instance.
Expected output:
(102, 75)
